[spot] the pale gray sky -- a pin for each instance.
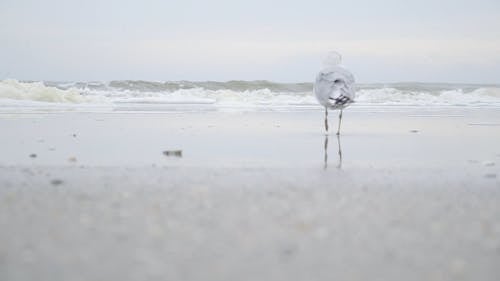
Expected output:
(381, 41)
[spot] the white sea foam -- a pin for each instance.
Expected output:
(37, 91)
(453, 97)
(248, 94)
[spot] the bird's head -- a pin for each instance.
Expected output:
(332, 59)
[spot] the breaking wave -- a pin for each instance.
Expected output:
(239, 94)
(37, 91)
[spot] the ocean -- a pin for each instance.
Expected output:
(232, 95)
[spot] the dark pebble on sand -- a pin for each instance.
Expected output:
(56, 182)
(33, 155)
(173, 153)
(287, 252)
(490, 176)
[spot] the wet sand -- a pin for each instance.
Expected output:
(415, 195)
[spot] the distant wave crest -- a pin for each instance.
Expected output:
(447, 97)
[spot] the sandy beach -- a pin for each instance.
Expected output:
(185, 140)
(251, 195)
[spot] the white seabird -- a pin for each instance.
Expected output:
(334, 87)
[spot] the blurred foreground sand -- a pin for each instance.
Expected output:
(416, 197)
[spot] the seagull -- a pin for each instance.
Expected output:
(334, 87)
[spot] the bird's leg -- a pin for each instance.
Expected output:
(340, 122)
(326, 119)
(340, 152)
(326, 153)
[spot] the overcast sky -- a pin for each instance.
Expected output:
(381, 41)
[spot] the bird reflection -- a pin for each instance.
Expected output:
(339, 165)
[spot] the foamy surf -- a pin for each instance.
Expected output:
(37, 91)
(150, 95)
